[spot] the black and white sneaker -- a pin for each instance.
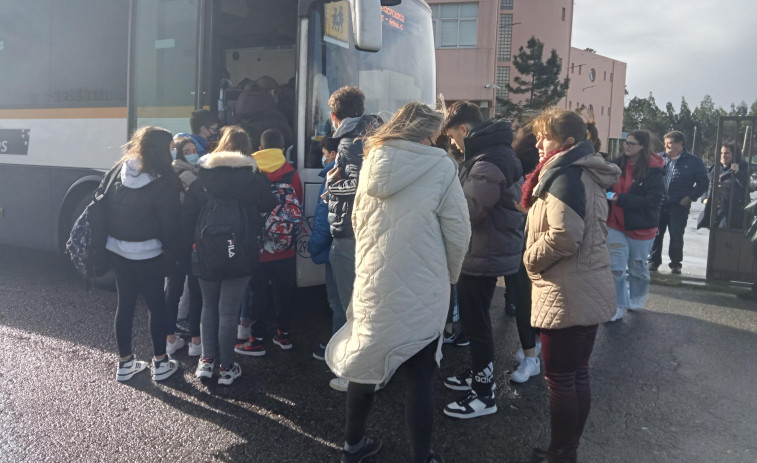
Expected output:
(371, 446)
(204, 368)
(129, 368)
(472, 406)
(461, 382)
(227, 376)
(163, 369)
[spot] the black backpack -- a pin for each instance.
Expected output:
(86, 243)
(224, 246)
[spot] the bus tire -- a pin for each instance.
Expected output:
(76, 207)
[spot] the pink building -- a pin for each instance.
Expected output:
(475, 42)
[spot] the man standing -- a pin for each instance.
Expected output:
(492, 176)
(685, 181)
(347, 106)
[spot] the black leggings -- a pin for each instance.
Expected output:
(419, 403)
(135, 277)
(519, 294)
(175, 288)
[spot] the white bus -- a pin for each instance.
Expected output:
(77, 76)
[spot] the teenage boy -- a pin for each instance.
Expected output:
(277, 264)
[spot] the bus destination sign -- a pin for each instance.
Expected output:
(393, 17)
(14, 141)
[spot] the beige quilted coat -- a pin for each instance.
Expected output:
(566, 252)
(412, 230)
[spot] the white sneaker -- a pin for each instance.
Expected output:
(195, 350)
(243, 332)
(618, 315)
(204, 368)
(172, 347)
(226, 377)
(519, 356)
(129, 368)
(163, 369)
(340, 384)
(529, 367)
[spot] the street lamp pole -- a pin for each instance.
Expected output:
(494, 96)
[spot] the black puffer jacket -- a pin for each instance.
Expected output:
(641, 204)
(349, 159)
(227, 175)
(257, 112)
(142, 211)
(492, 176)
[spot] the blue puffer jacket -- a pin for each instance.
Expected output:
(320, 238)
(689, 179)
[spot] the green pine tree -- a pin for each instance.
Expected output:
(538, 79)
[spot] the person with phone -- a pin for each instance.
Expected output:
(632, 224)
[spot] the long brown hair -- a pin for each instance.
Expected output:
(413, 122)
(234, 138)
(151, 147)
(641, 167)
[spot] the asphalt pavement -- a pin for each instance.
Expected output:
(673, 383)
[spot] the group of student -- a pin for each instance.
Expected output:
(399, 221)
(223, 221)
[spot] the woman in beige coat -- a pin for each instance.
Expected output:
(569, 265)
(412, 230)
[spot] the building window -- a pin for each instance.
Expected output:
(455, 24)
(608, 111)
(611, 77)
(603, 110)
(591, 109)
(503, 78)
(592, 74)
(572, 68)
(563, 14)
(505, 4)
(605, 77)
(505, 37)
(570, 105)
(579, 69)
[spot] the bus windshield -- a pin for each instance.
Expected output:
(402, 71)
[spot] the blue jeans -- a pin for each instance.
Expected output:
(628, 262)
(332, 294)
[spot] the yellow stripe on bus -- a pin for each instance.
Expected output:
(97, 113)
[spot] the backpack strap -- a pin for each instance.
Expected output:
(108, 181)
(287, 178)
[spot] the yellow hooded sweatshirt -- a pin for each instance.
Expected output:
(269, 160)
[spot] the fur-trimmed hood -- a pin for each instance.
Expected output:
(227, 159)
(225, 174)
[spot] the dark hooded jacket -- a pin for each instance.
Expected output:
(492, 176)
(227, 175)
(257, 112)
(349, 159)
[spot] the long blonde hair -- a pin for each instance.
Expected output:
(234, 138)
(413, 122)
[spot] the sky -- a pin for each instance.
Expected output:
(676, 48)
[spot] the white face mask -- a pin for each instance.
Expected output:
(192, 158)
(324, 161)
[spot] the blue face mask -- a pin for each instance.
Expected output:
(192, 158)
(173, 153)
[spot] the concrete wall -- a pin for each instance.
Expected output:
(605, 94)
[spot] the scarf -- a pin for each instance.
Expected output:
(533, 178)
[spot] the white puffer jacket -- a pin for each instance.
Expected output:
(412, 230)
